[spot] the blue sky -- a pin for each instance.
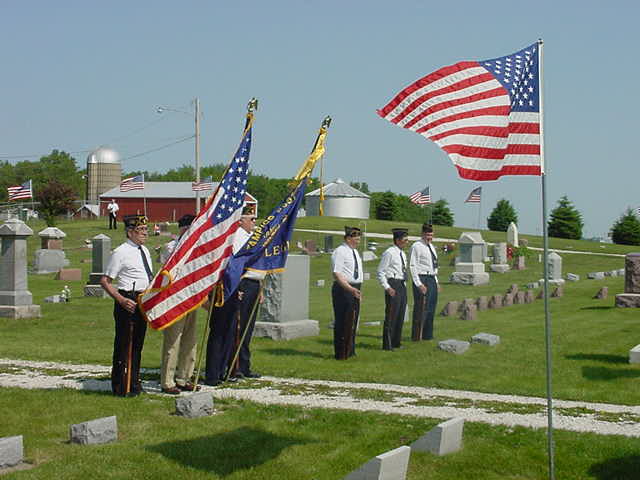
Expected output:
(80, 74)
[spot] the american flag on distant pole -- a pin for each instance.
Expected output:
(422, 197)
(20, 192)
(474, 196)
(484, 115)
(200, 257)
(205, 184)
(132, 183)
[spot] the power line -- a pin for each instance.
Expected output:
(158, 148)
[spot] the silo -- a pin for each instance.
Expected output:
(103, 173)
(340, 200)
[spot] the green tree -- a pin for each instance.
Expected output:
(55, 199)
(626, 230)
(441, 213)
(385, 207)
(565, 221)
(501, 216)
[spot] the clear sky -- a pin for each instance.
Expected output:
(79, 74)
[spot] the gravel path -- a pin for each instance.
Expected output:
(494, 409)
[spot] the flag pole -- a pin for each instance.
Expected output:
(479, 210)
(547, 315)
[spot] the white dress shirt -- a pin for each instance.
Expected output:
(126, 266)
(342, 263)
(421, 262)
(393, 264)
(240, 238)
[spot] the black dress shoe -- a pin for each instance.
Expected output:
(252, 375)
(212, 383)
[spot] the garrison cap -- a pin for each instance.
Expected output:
(399, 233)
(133, 221)
(427, 228)
(352, 231)
(186, 220)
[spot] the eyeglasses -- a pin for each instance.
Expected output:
(141, 230)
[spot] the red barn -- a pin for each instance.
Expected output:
(165, 201)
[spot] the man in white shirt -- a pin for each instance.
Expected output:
(345, 293)
(113, 208)
(392, 272)
(179, 339)
(423, 266)
(130, 265)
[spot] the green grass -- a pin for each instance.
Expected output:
(591, 340)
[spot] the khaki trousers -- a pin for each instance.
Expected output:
(179, 352)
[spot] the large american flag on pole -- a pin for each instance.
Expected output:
(485, 115)
(422, 197)
(475, 196)
(132, 183)
(20, 191)
(202, 253)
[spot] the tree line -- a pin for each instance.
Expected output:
(58, 182)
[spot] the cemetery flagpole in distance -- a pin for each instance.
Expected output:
(545, 257)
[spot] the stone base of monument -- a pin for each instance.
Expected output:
(20, 311)
(500, 268)
(287, 330)
(558, 281)
(95, 291)
(465, 278)
(628, 300)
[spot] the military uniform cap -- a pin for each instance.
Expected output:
(427, 228)
(186, 220)
(133, 221)
(249, 210)
(352, 231)
(399, 233)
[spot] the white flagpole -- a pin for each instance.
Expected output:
(144, 192)
(545, 256)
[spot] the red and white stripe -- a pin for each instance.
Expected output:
(195, 265)
(466, 111)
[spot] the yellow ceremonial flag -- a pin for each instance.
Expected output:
(315, 155)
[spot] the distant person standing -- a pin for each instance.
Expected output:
(392, 273)
(113, 208)
(130, 266)
(345, 293)
(423, 265)
(179, 338)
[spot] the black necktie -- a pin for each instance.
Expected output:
(355, 268)
(404, 268)
(434, 260)
(146, 263)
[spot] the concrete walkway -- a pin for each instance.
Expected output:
(494, 409)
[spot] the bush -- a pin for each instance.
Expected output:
(626, 230)
(565, 221)
(501, 216)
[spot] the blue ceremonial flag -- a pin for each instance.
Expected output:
(267, 248)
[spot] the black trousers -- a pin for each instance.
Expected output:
(247, 306)
(424, 309)
(222, 333)
(346, 309)
(394, 314)
(112, 221)
(127, 348)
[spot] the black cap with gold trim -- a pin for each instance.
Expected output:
(352, 232)
(399, 233)
(133, 221)
(427, 228)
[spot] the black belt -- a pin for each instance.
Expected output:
(395, 279)
(357, 285)
(427, 275)
(127, 293)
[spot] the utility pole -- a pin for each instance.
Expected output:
(197, 108)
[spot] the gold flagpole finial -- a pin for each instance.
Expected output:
(252, 105)
(326, 122)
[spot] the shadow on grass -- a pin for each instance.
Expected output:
(597, 308)
(223, 453)
(600, 357)
(606, 373)
(622, 468)
(291, 351)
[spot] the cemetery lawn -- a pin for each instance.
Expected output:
(248, 441)
(591, 340)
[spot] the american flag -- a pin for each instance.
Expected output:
(485, 115)
(474, 196)
(421, 197)
(20, 191)
(202, 253)
(132, 183)
(205, 184)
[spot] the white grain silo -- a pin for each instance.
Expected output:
(103, 172)
(340, 200)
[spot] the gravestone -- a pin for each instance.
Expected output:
(450, 309)
(195, 405)
(507, 300)
(519, 298)
(572, 277)
(469, 269)
(445, 438)
(368, 255)
(467, 302)
(309, 247)
(602, 293)
(595, 275)
(486, 339)
(11, 451)
(469, 313)
(528, 296)
(164, 229)
(320, 283)
(328, 243)
(285, 311)
(634, 354)
(50, 258)
(557, 292)
(519, 263)
(631, 296)
(100, 255)
(500, 262)
(366, 276)
(93, 432)
(391, 465)
(554, 269)
(69, 274)
(512, 235)
(540, 294)
(454, 346)
(513, 289)
(533, 285)
(482, 303)
(51, 238)
(495, 301)
(15, 300)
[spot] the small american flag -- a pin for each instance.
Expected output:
(20, 191)
(474, 196)
(205, 184)
(421, 197)
(638, 211)
(202, 254)
(485, 115)
(132, 183)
